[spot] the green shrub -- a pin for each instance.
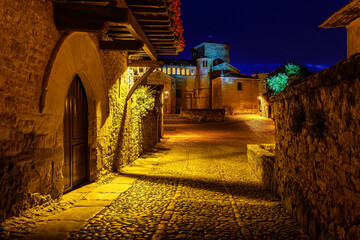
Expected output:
(285, 75)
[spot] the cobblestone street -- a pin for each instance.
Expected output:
(202, 188)
(196, 184)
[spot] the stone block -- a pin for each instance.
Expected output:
(112, 188)
(76, 214)
(101, 196)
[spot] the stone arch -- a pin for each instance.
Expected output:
(169, 83)
(77, 54)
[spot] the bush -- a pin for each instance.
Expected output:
(285, 75)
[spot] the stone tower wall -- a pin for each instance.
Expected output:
(215, 50)
(203, 85)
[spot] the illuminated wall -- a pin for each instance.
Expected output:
(38, 65)
(353, 39)
(237, 96)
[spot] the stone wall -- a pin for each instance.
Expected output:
(29, 146)
(261, 160)
(204, 115)
(39, 63)
(317, 165)
(236, 101)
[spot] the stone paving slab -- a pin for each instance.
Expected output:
(125, 179)
(54, 235)
(59, 226)
(136, 170)
(92, 203)
(101, 196)
(76, 214)
(112, 188)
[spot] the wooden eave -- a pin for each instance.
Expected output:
(153, 17)
(344, 16)
(147, 21)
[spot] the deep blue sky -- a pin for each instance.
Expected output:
(266, 33)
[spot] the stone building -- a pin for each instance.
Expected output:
(265, 106)
(209, 81)
(69, 108)
(348, 17)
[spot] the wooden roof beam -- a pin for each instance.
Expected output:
(121, 35)
(135, 29)
(159, 33)
(74, 16)
(151, 4)
(154, 24)
(139, 81)
(162, 38)
(121, 45)
(140, 10)
(163, 43)
(152, 18)
(85, 12)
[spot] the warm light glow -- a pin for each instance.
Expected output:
(166, 94)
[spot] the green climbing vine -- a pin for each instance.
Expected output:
(143, 100)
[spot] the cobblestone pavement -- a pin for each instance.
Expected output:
(201, 188)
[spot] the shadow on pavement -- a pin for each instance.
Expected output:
(249, 190)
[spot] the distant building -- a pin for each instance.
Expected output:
(265, 108)
(208, 81)
(348, 17)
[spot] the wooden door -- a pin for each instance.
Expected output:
(75, 136)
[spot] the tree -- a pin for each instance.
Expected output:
(285, 75)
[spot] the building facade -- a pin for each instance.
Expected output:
(209, 81)
(70, 110)
(348, 17)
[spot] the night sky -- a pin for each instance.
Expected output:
(265, 34)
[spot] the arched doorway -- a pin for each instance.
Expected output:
(75, 136)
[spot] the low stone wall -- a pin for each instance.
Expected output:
(317, 164)
(204, 115)
(261, 159)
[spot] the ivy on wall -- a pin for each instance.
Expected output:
(123, 142)
(144, 100)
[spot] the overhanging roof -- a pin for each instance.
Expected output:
(344, 16)
(143, 27)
